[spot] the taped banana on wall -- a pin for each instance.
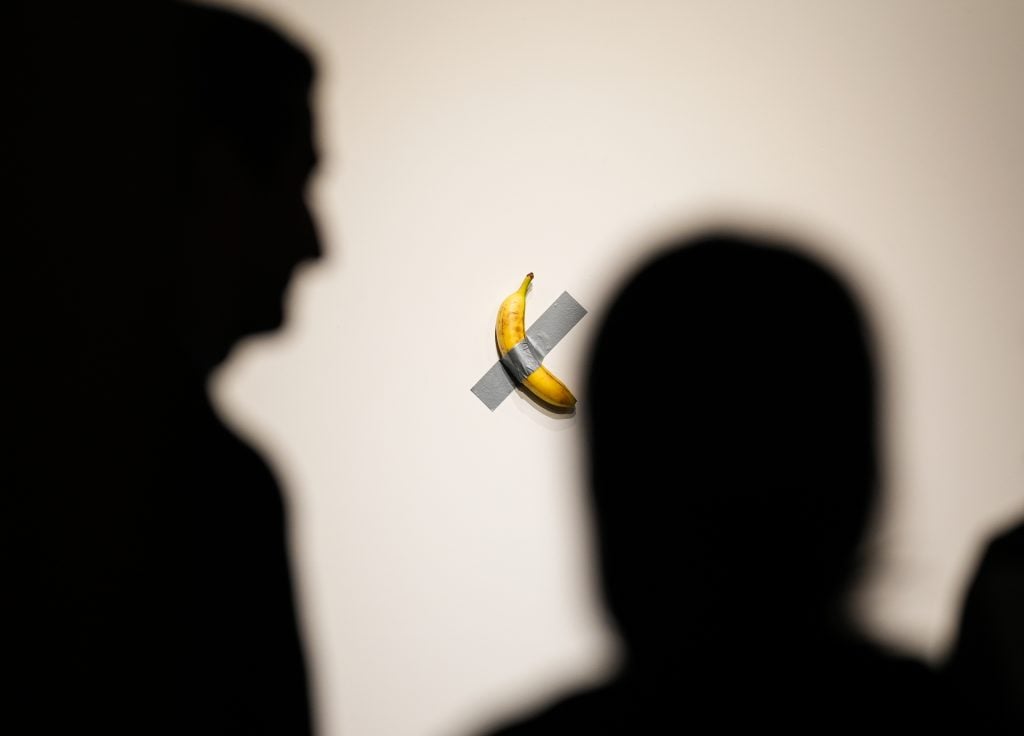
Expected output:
(520, 360)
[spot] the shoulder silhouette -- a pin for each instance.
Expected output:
(985, 667)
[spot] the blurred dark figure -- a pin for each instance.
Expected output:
(164, 153)
(731, 423)
(985, 667)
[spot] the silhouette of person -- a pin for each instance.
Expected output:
(985, 666)
(730, 427)
(167, 150)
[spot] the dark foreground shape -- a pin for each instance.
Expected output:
(164, 150)
(730, 492)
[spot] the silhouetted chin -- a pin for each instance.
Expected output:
(270, 320)
(256, 324)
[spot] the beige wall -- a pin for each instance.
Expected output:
(441, 549)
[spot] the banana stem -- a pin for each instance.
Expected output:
(526, 283)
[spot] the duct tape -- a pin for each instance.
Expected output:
(525, 357)
(521, 360)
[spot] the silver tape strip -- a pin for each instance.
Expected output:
(546, 332)
(494, 386)
(521, 360)
(554, 324)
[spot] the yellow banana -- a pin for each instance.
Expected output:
(509, 330)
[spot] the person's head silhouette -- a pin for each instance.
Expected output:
(171, 146)
(731, 431)
(248, 153)
(730, 414)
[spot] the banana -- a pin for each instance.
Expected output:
(509, 330)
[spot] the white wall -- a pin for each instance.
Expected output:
(442, 549)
